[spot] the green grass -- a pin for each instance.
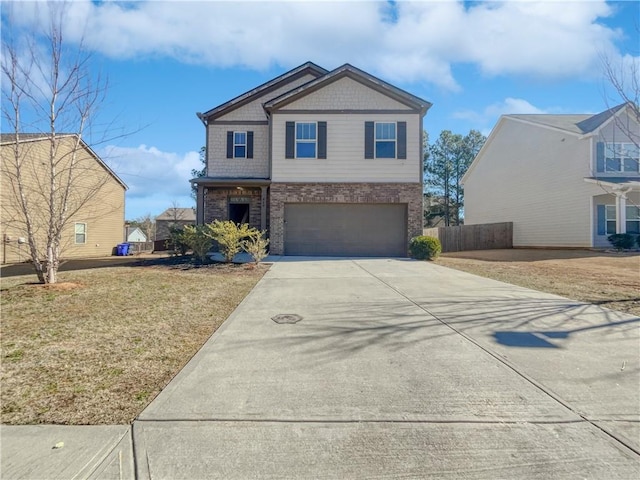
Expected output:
(100, 345)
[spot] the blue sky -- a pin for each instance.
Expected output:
(473, 60)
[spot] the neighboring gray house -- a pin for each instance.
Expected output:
(173, 217)
(328, 163)
(563, 180)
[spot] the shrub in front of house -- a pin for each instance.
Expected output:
(621, 241)
(425, 248)
(176, 241)
(256, 246)
(229, 236)
(195, 237)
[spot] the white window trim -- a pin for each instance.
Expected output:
(376, 140)
(75, 233)
(615, 218)
(306, 140)
(240, 144)
(610, 154)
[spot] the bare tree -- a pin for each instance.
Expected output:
(622, 78)
(49, 90)
(147, 223)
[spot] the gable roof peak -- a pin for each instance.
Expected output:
(354, 72)
(300, 70)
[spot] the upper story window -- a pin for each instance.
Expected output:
(81, 233)
(621, 157)
(239, 144)
(306, 138)
(385, 140)
(618, 157)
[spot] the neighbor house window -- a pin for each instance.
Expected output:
(385, 140)
(610, 219)
(621, 157)
(306, 139)
(81, 233)
(633, 219)
(239, 144)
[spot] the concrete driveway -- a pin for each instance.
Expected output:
(401, 369)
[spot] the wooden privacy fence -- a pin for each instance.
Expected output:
(473, 237)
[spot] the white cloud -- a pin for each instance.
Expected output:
(489, 116)
(408, 42)
(155, 178)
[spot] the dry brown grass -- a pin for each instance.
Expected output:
(604, 278)
(98, 347)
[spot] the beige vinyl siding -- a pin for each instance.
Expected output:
(345, 94)
(345, 160)
(103, 212)
(253, 110)
(534, 177)
(221, 166)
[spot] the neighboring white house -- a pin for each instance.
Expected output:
(563, 180)
(328, 163)
(135, 235)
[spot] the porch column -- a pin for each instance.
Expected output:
(263, 208)
(200, 205)
(621, 212)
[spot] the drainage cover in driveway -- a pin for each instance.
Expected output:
(287, 318)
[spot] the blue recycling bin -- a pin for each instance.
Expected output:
(122, 249)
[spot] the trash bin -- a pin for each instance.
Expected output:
(122, 249)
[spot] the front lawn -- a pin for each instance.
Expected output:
(99, 346)
(608, 279)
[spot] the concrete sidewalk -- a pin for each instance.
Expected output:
(397, 369)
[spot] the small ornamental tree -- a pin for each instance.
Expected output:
(229, 236)
(256, 247)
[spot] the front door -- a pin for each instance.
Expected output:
(239, 212)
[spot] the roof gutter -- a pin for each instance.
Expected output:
(202, 118)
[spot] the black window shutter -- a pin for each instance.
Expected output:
(290, 140)
(322, 139)
(249, 144)
(368, 139)
(600, 157)
(402, 140)
(229, 144)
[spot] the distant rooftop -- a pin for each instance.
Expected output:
(185, 214)
(575, 123)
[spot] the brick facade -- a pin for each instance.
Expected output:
(281, 193)
(216, 204)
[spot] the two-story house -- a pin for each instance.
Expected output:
(327, 162)
(94, 197)
(563, 180)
